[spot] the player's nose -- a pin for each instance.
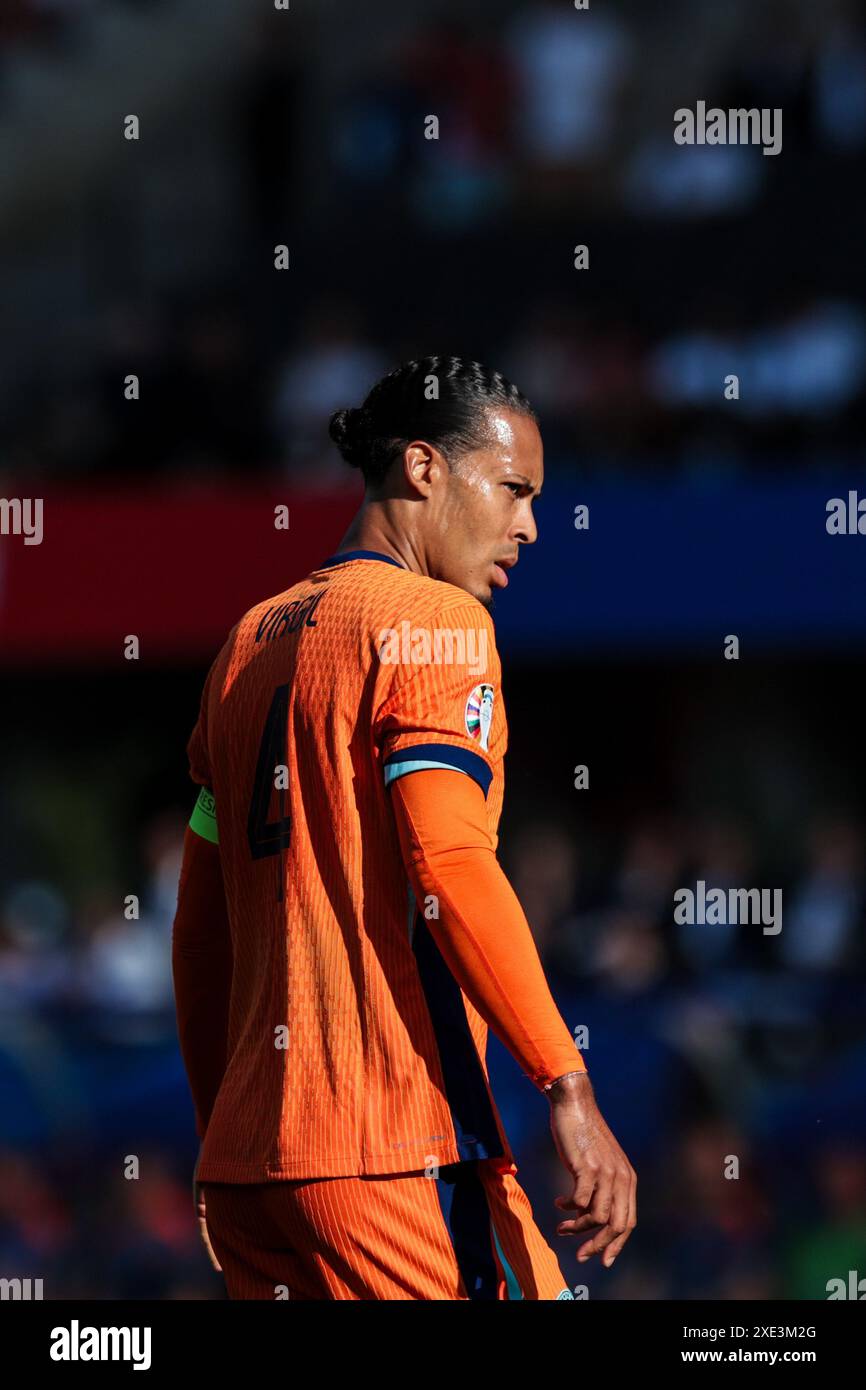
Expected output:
(525, 529)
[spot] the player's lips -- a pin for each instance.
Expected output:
(499, 568)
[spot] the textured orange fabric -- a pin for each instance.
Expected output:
(477, 921)
(350, 1048)
(372, 1238)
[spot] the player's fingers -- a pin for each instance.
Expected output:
(565, 1203)
(618, 1226)
(614, 1248)
(574, 1225)
(619, 1207)
(200, 1205)
(602, 1202)
(585, 1185)
(616, 1245)
(203, 1231)
(599, 1242)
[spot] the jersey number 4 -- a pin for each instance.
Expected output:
(270, 836)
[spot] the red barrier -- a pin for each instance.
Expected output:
(174, 567)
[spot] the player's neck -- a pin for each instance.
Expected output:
(374, 529)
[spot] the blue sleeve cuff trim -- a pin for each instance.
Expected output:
(447, 755)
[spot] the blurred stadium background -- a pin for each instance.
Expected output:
(156, 257)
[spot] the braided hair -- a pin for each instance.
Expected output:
(439, 399)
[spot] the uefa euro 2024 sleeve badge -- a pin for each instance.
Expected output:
(479, 714)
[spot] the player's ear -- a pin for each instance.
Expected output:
(422, 466)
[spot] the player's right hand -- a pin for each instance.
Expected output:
(198, 1201)
(605, 1184)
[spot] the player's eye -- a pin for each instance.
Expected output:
(517, 488)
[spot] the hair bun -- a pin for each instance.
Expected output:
(346, 428)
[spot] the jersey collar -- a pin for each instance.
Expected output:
(358, 555)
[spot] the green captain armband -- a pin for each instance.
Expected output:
(203, 819)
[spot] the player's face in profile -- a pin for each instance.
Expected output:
(486, 512)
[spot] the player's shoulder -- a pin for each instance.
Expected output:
(434, 604)
(441, 598)
(436, 623)
(379, 586)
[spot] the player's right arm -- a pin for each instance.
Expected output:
(482, 932)
(478, 923)
(439, 773)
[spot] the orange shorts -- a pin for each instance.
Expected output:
(468, 1233)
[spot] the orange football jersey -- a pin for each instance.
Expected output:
(351, 1047)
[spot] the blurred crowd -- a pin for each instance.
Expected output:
(610, 398)
(45, 26)
(555, 129)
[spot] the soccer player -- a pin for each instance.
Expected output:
(344, 933)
